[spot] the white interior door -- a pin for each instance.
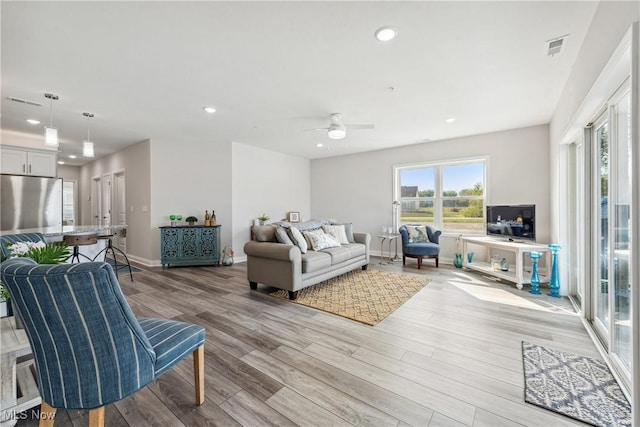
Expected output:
(120, 208)
(96, 201)
(106, 199)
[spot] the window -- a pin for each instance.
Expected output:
(449, 195)
(68, 202)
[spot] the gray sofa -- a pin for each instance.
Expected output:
(284, 266)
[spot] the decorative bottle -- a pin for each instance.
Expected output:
(213, 217)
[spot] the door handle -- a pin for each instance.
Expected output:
(24, 168)
(29, 168)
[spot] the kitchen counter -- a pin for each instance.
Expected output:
(53, 232)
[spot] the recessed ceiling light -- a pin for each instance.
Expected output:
(33, 121)
(60, 162)
(450, 120)
(72, 156)
(385, 34)
(209, 110)
(319, 145)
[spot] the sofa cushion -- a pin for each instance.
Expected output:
(322, 240)
(264, 233)
(357, 249)
(314, 261)
(282, 236)
(298, 239)
(338, 232)
(339, 254)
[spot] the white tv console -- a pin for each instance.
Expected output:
(515, 274)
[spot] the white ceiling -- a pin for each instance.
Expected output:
(274, 70)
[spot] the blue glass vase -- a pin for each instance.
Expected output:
(535, 278)
(554, 283)
(457, 260)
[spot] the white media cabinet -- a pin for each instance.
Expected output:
(521, 249)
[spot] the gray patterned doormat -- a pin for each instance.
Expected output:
(576, 386)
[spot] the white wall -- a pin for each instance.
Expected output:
(187, 178)
(359, 187)
(134, 161)
(266, 182)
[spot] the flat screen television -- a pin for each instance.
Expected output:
(513, 222)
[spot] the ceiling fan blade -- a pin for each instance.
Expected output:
(317, 129)
(360, 126)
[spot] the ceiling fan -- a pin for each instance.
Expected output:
(338, 130)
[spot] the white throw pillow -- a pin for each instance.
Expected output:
(298, 239)
(418, 234)
(338, 232)
(307, 235)
(323, 241)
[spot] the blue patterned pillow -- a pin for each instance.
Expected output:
(418, 234)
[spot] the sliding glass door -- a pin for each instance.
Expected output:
(601, 186)
(611, 185)
(620, 228)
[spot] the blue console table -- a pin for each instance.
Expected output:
(190, 245)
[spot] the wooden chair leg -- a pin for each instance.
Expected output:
(96, 417)
(47, 415)
(419, 263)
(198, 372)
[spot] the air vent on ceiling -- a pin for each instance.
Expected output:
(555, 46)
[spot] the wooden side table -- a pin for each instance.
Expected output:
(13, 344)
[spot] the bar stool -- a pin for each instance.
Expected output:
(77, 240)
(113, 249)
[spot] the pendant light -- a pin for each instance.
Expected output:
(87, 146)
(51, 133)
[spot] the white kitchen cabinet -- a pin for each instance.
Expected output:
(23, 162)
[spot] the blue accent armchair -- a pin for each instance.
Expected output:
(420, 250)
(88, 347)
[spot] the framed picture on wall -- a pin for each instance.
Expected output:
(294, 216)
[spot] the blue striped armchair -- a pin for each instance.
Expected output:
(88, 347)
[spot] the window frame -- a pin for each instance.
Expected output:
(438, 198)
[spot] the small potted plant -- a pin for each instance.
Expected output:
(263, 218)
(191, 220)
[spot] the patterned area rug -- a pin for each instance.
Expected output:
(365, 296)
(576, 386)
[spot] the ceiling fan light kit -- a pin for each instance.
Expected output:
(337, 131)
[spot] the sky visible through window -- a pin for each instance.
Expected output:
(456, 177)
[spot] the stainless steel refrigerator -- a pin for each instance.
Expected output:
(28, 202)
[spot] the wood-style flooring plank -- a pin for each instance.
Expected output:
(428, 397)
(249, 411)
(385, 400)
(343, 405)
(302, 411)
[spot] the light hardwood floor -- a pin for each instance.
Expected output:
(450, 356)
